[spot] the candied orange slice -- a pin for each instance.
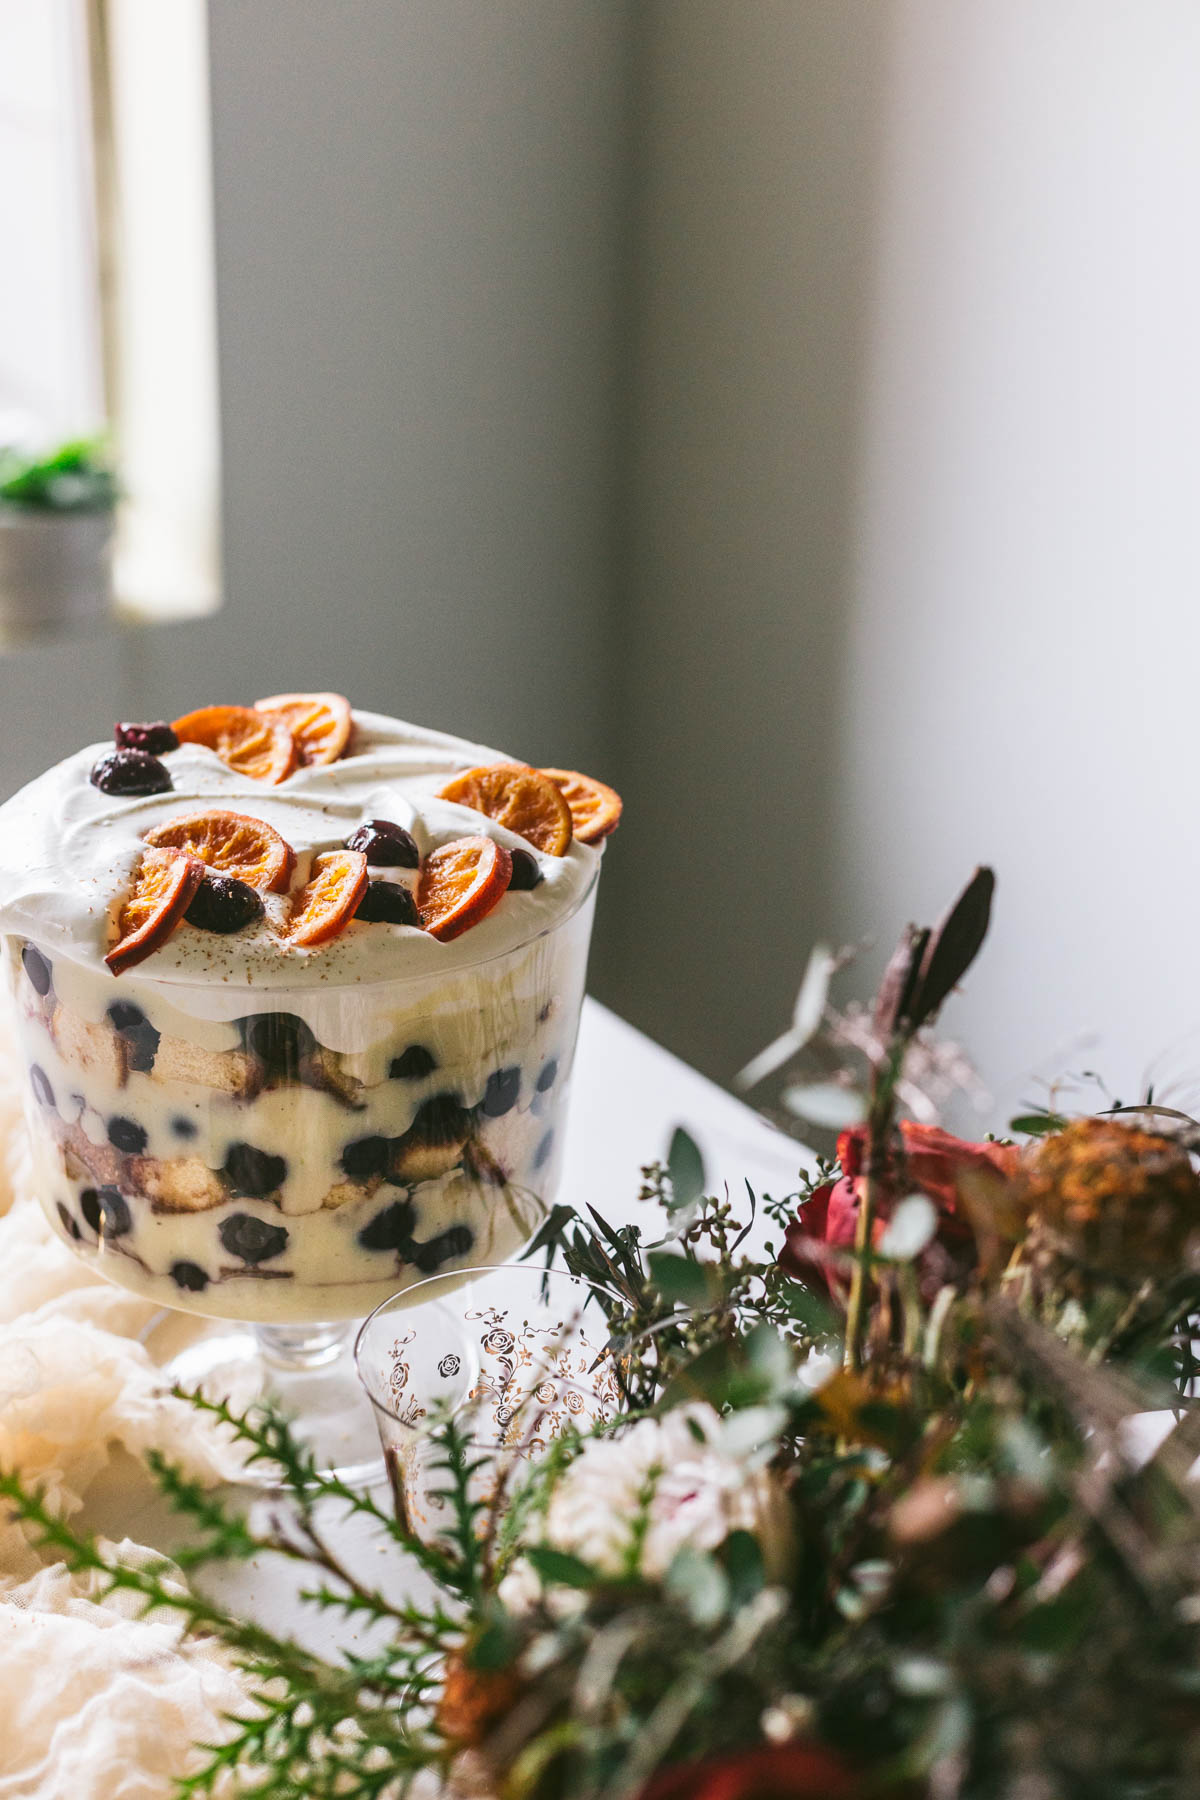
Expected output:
(320, 723)
(595, 807)
(460, 884)
(329, 899)
(522, 798)
(163, 887)
(254, 743)
(233, 844)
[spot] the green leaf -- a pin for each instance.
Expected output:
(744, 1566)
(769, 1355)
(1038, 1124)
(810, 1309)
(680, 1279)
(497, 1643)
(745, 1372)
(560, 1568)
(550, 1235)
(699, 1581)
(712, 1376)
(825, 1103)
(685, 1166)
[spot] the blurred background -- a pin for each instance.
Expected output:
(786, 411)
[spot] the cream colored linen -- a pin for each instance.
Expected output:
(95, 1703)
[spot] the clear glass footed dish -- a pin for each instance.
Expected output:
(297, 991)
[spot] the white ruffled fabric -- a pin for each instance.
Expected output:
(95, 1703)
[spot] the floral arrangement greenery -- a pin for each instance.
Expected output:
(875, 1521)
(74, 477)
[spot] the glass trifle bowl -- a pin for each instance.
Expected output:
(259, 1128)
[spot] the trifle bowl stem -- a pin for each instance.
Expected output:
(303, 1371)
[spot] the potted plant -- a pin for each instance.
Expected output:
(56, 524)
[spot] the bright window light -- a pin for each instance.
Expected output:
(107, 312)
(150, 71)
(51, 378)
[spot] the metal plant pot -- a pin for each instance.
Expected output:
(55, 567)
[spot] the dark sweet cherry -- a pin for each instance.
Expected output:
(223, 903)
(40, 1082)
(440, 1120)
(448, 1246)
(106, 1211)
(546, 1079)
(387, 903)
(254, 1173)
(390, 1229)
(501, 1093)
(130, 772)
(543, 1150)
(127, 1136)
(412, 1064)
(141, 1037)
(278, 1039)
(386, 845)
(526, 871)
(37, 968)
(189, 1276)
(184, 1127)
(155, 739)
(251, 1239)
(366, 1156)
(69, 1223)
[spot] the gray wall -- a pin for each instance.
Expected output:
(753, 231)
(1024, 626)
(917, 545)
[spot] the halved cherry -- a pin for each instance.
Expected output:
(329, 899)
(233, 843)
(522, 798)
(320, 723)
(254, 743)
(163, 888)
(460, 883)
(595, 807)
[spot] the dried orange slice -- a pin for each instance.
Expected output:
(460, 884)
(233, 844)
(163, 889)
(329, 899)
(320, 723)
(522, 798)
(595, 807)
(254, 743)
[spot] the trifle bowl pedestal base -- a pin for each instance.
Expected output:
(305, 1372)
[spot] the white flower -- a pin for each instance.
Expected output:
(671, 1481)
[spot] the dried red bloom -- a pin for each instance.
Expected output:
(928, 1161)
(770, 1772)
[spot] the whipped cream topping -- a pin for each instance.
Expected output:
(68, 854)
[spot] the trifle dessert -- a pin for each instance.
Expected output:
(298, 990)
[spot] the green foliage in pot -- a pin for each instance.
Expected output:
(76, 477)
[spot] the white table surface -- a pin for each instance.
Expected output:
(627, 1096)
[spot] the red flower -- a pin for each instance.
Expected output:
(785, 1772)
(932, 1162)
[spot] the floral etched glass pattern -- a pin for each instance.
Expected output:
(517, 1357)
